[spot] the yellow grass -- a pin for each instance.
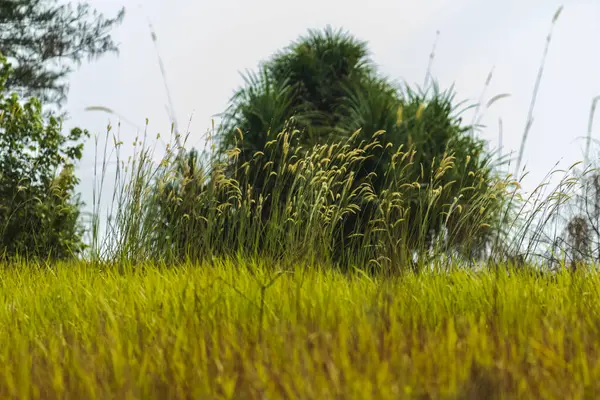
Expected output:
(220, 331)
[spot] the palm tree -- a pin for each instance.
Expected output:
(306, 82)
(325, 86)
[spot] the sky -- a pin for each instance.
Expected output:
(206, 45)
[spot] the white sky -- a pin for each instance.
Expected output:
(206, 44)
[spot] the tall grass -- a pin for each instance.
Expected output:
(243, 330)
(187, 208)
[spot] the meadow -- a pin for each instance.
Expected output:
(235, 329)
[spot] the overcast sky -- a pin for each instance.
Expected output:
(206, 44)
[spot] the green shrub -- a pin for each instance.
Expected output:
(38, 209)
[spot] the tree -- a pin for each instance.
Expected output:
(39, 213)
(44, 39)
(326, 86)
(307, 81)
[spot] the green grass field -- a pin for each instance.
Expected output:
(240, 330)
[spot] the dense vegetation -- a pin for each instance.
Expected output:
(241, 330)
(345, 237)
(320, 157)
(40, 42)
(324, 89)
(39, 211)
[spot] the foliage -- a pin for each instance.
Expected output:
(307, 81)
(38, 211)
(427, 127)
(324, 88)
(44, 38)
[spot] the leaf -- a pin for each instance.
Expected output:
(420, 110)
(399, 115)
(496, 98)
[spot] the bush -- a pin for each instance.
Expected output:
(320, 157)
(325, 88)
(39, 213)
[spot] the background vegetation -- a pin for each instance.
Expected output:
(319, 158)
(317, 138)
(45, 39)
(39, 211)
